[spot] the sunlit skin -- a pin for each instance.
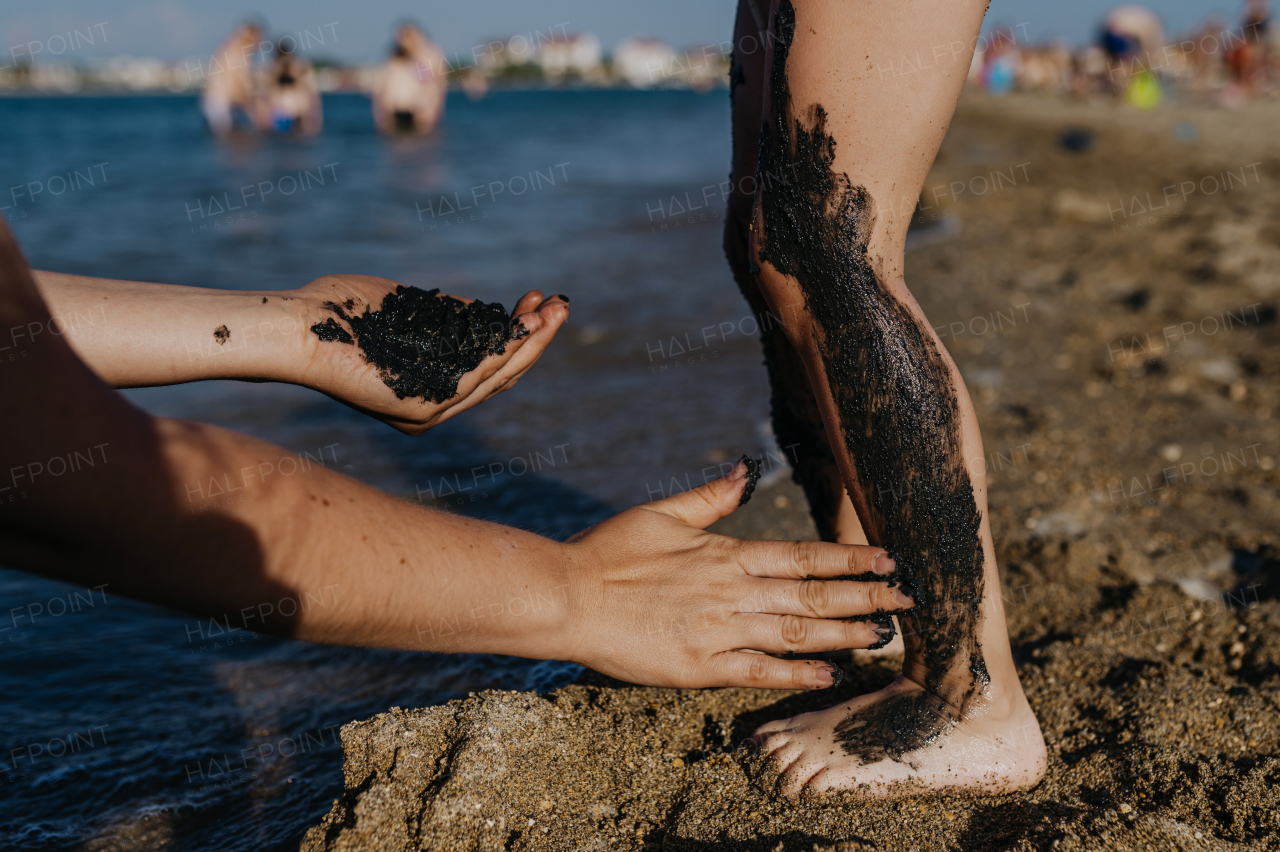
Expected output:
(646, 596)
(887, 128)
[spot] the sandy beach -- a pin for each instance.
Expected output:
(1107, 282)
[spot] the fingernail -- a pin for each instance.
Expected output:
(902, 600)
(883, 563)
(825, 676)
(562, 297)
(739, 470)
(752, 471)
(885, 630)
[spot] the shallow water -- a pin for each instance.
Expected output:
(131, 724)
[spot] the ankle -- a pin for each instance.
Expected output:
(997, 698)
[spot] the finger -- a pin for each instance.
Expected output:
(525, 329)
(798, 560)
(823, 598)
(528, 302)
(760, 671)
(702, 506)
(515, 362)
(542, 326)
(791, 634)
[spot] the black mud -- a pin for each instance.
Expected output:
(423, 343)
(330, 331)
(793, 411)
(222, 334)
(897, 404)
(753, 479)
(896, 727)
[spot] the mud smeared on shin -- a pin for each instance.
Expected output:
(897, 405)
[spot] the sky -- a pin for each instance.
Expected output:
(359, 30)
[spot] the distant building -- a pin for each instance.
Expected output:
(498, 54)
(643, 62)
(139, 75)
(53, 78)
(575, 53)
(702, 68)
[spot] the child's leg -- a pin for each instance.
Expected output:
(797, 423)
(858, 95)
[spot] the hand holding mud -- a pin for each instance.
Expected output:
(710, 610)
(160, 334)
(373, 346)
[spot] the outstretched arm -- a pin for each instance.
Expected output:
(232, 528)
(136, 334)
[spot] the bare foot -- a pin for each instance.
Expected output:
(902, 741)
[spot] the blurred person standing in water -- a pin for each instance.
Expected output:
(229, 82)
(408, 94)
(291, 96)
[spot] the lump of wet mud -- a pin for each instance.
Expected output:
(423, 343)
(754, 470)
(329, 331)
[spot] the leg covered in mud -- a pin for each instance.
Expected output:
(797, 423)
(828, 259)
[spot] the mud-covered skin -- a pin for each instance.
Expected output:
(423, 343)
(329, 331)
(896, 728)
(797, 425)
(754, 469)
(898, 411)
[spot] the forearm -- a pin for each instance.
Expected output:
(231, 528)
(386, 573)
(135, 334)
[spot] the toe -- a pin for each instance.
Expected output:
(774, 727)
(772, 743)
(792, 781)
(818, 783)
(782, 753)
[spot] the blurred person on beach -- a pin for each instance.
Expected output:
(826, 157)
(1247, 57)
(290, 102)
(998, 69)
(409, 90)
(208, 521)
(1205, 68)
(229, 86)
(1133, 39)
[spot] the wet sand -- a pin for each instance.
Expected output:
(1123, 362)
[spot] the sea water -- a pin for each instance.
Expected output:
(140, 727)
